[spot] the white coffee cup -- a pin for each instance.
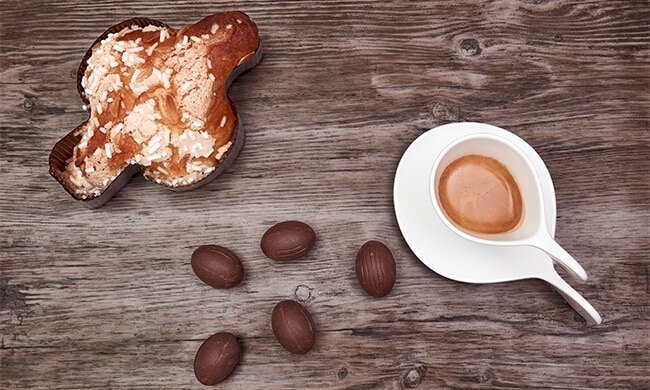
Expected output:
(532, 230)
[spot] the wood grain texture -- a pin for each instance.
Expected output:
(107, 298)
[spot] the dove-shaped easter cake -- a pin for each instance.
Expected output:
(158, 104)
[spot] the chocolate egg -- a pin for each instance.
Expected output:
(217, 266)
(216, 358)
(288, 240)
(376, 269)
(293, 327)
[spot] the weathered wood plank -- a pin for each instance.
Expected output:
(106, 298)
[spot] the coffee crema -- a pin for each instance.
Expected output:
(479, 194)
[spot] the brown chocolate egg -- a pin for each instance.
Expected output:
(216, 358)
(288, 240)
(376, 269)
(217, 266)
(293, 327)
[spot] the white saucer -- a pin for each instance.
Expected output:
(439, 248)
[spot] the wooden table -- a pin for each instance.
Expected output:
(107, 298)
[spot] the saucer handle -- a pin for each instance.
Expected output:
(546, 243)
(573, 298)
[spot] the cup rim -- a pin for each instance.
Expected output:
(433, 193)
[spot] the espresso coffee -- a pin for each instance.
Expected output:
(479, 194)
